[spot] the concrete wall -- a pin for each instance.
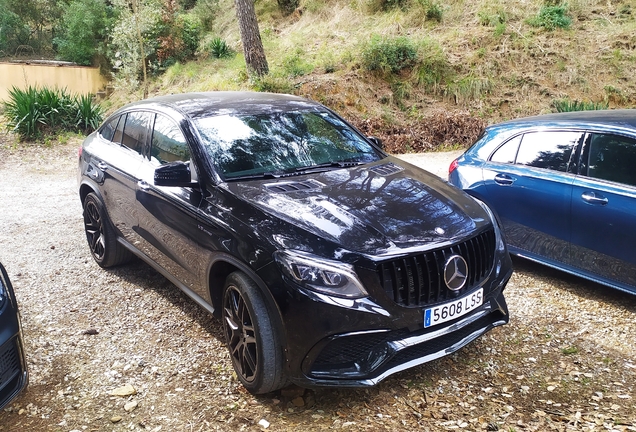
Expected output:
(76, 79)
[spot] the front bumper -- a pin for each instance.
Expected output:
(357, 344)
(361, 359)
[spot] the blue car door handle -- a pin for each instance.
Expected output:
(594, 198)
(504, 179)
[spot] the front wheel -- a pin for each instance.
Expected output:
(254, 344)
(105, 249)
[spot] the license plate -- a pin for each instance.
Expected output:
(455, 309)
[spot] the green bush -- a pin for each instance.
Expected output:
(432, 9)
(567, 105)
(552, 17)
(294, 64)
(389, 55)
(287, 6)
(218, 48)
(84, 30)
(37, 111)
(13, 31)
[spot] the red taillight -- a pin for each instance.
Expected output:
(454, 164)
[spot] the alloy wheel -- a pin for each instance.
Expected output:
(240, 334)
(94, 229)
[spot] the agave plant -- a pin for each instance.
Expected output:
(88, 115)
(220, 49)
(34, 111)
(25, 116)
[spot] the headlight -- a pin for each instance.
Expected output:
(495, 222)
(319, 274)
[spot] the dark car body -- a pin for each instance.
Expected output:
(344, 258)
(564, 187)
(13, 367)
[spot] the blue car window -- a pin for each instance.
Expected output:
(507, 152)
(548, 150)
(613, 158)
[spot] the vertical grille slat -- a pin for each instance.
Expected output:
(418, 280)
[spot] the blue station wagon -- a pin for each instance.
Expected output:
(564, 188)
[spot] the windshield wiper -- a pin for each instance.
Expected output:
(265, 175)
(329, 165)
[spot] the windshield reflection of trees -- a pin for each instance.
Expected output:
(280, 142)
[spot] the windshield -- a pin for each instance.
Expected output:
(276, 143)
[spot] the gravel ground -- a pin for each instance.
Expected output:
(123, 349)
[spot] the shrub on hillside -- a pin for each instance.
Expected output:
(389, 55)
(218, 48)
(552, 17)
(567, 105)
(36, 111)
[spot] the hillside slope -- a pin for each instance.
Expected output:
(476, 62)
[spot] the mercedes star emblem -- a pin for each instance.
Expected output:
(455, 272)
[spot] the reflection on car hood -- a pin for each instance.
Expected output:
(365, 211)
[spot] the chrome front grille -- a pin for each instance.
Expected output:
(418, 280)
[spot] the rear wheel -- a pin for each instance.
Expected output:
(105, 249)
(251, 338)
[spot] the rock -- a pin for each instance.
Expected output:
(299, 402)
(263, 423)
(131, 406)
(126, 390)
(115, 419)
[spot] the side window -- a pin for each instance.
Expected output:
(119, 131)
(548, 150)
(168, 142)
(136, 131)
(107, 131)
(507, 152)
(613, 158)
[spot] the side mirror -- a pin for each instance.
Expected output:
(174, 174)
(377, 141)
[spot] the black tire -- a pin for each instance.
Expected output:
(252, 339)
(101, 237)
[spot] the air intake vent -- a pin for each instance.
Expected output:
(282, 187)
(386, 169)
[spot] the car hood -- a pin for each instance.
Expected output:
(375, 209)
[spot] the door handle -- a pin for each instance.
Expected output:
(594, 198)
(504, 179)
(102, 166)
(143, 185)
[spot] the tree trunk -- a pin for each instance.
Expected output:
(251, 38)
(140, 39)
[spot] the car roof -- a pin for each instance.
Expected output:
(208, 104)
(623, 119)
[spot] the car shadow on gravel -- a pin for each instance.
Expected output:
(577, 285)
(140, 274)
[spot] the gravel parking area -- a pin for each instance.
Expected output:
(123, 349)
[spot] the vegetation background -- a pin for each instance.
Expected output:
(420, 74)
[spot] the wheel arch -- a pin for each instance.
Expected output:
(85, 189)
(220, 268)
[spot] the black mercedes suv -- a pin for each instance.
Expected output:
(328, 261)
